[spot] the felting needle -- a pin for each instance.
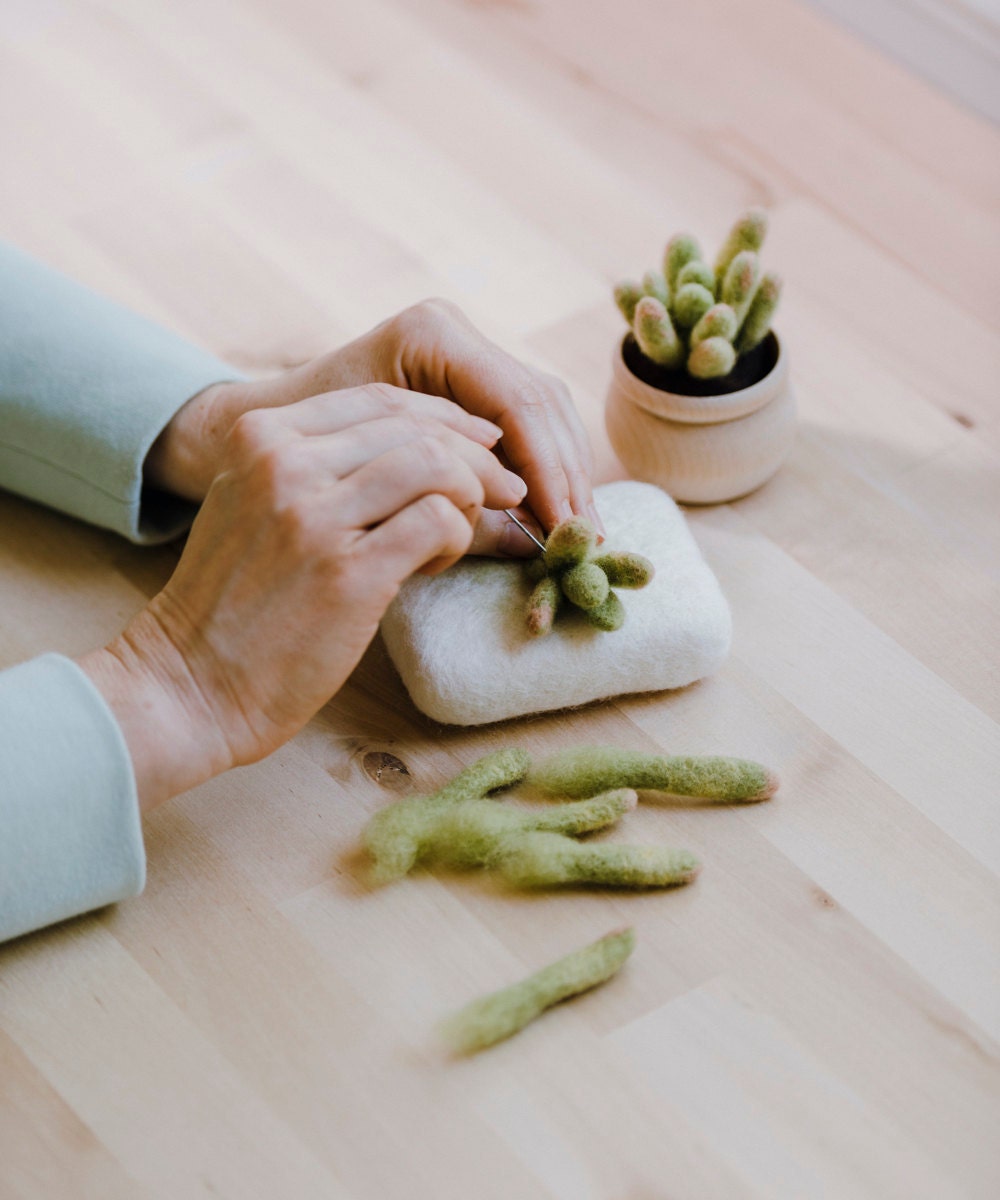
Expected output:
(524, 529)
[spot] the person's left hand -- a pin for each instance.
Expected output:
(431, 348)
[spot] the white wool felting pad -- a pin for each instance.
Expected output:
(460, 643)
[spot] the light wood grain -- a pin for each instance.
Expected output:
(819, 1014)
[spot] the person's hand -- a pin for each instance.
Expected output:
(430, 348)
(317, 513)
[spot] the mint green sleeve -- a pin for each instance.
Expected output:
(85, 389)
(70, 835)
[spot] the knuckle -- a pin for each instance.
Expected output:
(391, 400)
(432, 455)
(250, 433)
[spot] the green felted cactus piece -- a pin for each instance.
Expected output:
(475, 833)
(585, 585)
(711, 359)
(589, 770)
(537, 860)
(697, 271)
(543, 604)
(626, 570)
(654, 284)
(747, 234)
(719, 321)
(569, 543)
(493, 1018)
(627, 296)
(740, 283)
(535, 569)
(608, 616)
(395, 836)
(690, 304)
(758, 319)
(655, 333)
(681, 249)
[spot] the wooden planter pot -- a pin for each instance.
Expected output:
(701, 448)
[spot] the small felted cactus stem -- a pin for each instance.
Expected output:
(711, 359)
(585, 585)
(719, 321)
(681, 249)
(627, 296)
(654, 283)
(535, 569)
(495, 1017)
(477, 833)
(758, 319)
(395, 836)
(747, 234)
(608, 616)
(543, 604)
(549, 860)
(591, 769)
(655, 333)
(626, 570)
(741, 282)
(691, 302)
(697, 271)
(569, 543)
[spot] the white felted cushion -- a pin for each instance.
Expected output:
(460, 643)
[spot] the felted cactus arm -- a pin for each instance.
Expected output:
(690, 304)
(477, 832)
(747, 234)
(655, 333)
(543, 604)
(719, 321)
(537, 860)
(585, 585)
(396, 836)
(711, 359)
(697, 271)
(654, 283)
(608, 616)
(681, 249)
(758, 319)
(627, 296)
(593, 769)
(741, 282)
(569, 543)
(498, 1016)
(626, 570)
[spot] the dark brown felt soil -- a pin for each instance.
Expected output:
(750, 369)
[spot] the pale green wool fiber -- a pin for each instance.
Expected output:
(477, 833)
(547, 860)
(495, 1017)
(593, 769)
(396, 836)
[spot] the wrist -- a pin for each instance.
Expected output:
(184, 458)
(168, 728)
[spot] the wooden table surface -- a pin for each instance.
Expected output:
(818, 1015)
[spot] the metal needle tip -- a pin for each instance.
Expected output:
(524, 529)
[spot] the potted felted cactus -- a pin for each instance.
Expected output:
(700, 402)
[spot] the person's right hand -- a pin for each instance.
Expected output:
(321, 509)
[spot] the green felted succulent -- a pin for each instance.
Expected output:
(571, 571)
(699, 317)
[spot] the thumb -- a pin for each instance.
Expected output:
(497, 536)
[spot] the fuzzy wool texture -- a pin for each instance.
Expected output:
(479, 833)
(461, 646)
(541, 860)
(493, 1018)
(397, 837)
(592, 769)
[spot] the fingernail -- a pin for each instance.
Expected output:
(564, 510)
(489, 429)
(595, 519)
(517, 485)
